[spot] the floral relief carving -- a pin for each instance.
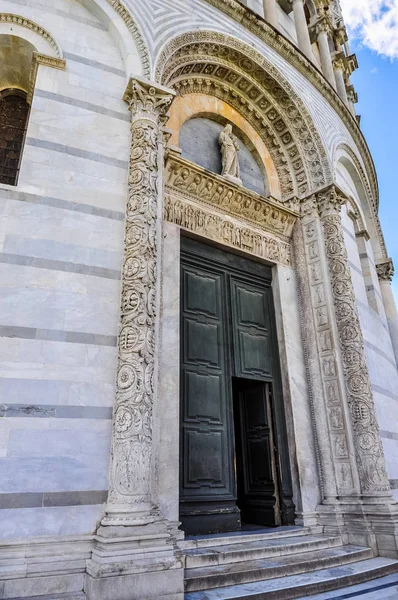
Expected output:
(368, 447)
(132, 435)
(189, 180)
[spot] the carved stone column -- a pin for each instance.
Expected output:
(303, 36)
(368, 447)
(339, 77)
(270, 12)
(330, 412)
(135, 541)
(322, 30)
(129, 501)
(385, 272)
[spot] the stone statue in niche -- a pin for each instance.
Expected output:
(229, 153)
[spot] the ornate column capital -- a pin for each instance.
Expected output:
(148, 101)
(385, 270)
(329, 201)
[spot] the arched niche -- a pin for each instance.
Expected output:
(351, 179)
(16, 56)
(193, 106)
(38, 37)
(219, 66)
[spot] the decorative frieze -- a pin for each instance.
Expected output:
(187, 180)
(368, 447)
(385, 270)
(129, 500)
(196, 218)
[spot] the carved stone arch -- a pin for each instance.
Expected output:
(219, 65)
(367, 201)
(35, 34)
(126, 33)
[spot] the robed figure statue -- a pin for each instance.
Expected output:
(229, 153)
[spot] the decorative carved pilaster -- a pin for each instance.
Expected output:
(368, 448)
(129, 501)
(385, 270)
(339, 477)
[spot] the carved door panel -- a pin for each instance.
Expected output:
(251, 336)
(207, 487)
(258, 497)
(228, 335)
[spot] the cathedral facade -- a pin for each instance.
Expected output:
(198, 336)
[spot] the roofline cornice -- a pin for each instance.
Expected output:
(281, 44)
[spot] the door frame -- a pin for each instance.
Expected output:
(262, 273)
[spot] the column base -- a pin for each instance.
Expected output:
(368, 522)
(132, 563)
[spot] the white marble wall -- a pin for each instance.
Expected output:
(61, 242)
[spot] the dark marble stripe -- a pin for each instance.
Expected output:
(94, 63)
(7, 194)
(384, 392)
(380, 353)
(58, 265)
(82, 104)
(62, 13)
(77, 152)
(43, 499)
(357, 269)
(53, 411)
(389, 435)
(348, 232)
(57, 335)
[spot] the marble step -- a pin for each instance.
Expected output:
(205, 578)
(382, 588)
(303, 585)
(255, 549)
(235, 537)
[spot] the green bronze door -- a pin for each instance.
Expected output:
(229, 371)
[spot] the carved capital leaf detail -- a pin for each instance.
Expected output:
(385, 270)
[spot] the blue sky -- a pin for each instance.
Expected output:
(373, 31)
(376, 82)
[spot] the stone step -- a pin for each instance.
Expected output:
(303, 585)
(223, 539)
(205, 578)
(256, 549)
(382, 588)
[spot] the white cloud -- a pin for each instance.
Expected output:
(374, 23)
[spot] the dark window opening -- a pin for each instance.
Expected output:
(14, 113)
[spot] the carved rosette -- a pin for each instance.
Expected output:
(385, 270)
(131, 456)
(368, 447)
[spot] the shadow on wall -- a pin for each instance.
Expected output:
(199, 143)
